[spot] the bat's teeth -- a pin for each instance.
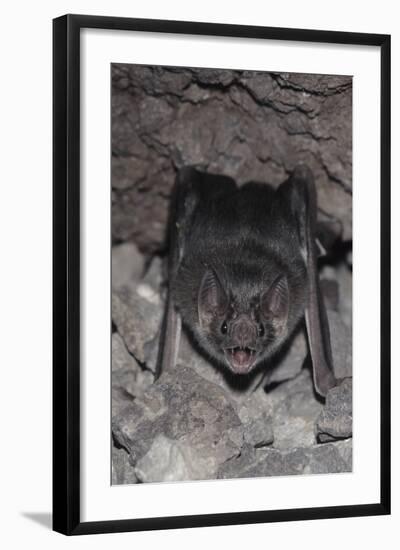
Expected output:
(237, 349)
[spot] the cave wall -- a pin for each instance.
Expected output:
(246, 124)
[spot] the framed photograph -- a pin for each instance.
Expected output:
(221, 274)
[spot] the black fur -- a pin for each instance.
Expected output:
(240, 267)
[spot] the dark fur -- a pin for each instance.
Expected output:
(232, 244)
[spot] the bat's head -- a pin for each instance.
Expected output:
(245, 329)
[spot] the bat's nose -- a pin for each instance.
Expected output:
(244, 332)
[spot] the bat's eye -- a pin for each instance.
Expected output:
(261, 330)
(224, 328)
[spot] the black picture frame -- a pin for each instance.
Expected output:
(66, 273)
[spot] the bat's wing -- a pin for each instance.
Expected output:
(183, 203)
(190, 186)
(301, 190)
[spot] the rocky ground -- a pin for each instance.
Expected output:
(196, 422)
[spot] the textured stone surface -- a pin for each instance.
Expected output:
(120, 398)
(295, 409)
(330, 292)
(200, 422)
(137, 315)
(249, 125)
(127, 375)
(316, 459)
(289, 362)
(345, 279)
(336, 419)
(122, 470)
(127, 264)
(255, 414)
(155, 274)
(167, 460)
(341, 345)
(180, 407)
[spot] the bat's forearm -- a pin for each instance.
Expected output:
(170, 339)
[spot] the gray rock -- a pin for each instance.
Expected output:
(317, 459)
(164, 461)
(122, 361)
(127, 264)
(289, 362)
(181, 407)
(295, 409)
(122, 470)
(137, 315)
(330, 458)
(127, 374)
(120, 398)
(330, 292)
(336, 419)
(171, 460)
(340, 276)
(246, 124)
(341, 345)
(256, 416)
(154, 276)
(345, 449)
(345, 278)
(252, 407)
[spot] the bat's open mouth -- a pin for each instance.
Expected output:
(240, 359)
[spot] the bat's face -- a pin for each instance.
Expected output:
(241, 333)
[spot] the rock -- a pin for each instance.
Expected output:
(345, 279)
(345, 449)
(349, 259)
(154, 276)
(289, 362)
(137, 315)
(336, 419)
(295, 409)
(122, 361)
(252, 407)
(246, 124)
(127, 374)
(330, 292)
(122, 470)
(185, 408)
(127, 264)
(164, 461)
(328, 230)
(341, 345)
(329, 458)
(120, 399)
(317, 459)
(256, 416)
(339, 296)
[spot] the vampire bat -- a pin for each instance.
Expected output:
(243, 271)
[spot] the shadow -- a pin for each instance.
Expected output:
(42, 518)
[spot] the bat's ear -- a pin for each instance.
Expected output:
(212, 299)
(274, 302)
(301, 193)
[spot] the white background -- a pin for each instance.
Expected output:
(25, 288)
(100, 501)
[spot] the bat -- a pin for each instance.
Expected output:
(242, 272)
